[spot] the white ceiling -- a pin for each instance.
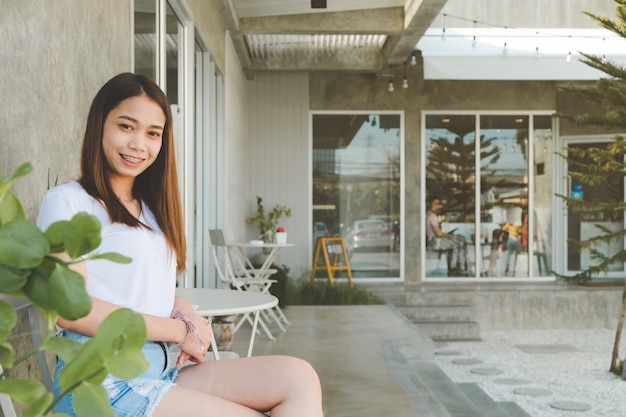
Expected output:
(259, 8)
(376, 35)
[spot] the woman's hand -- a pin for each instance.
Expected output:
(197, 341)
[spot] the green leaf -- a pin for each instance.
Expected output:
(120, 338)
(39, 406)
(64, 347)
(11, 209)
(91, 400)
(69, 292)
(22, 170)
(22, 390)
(8, 319)
(122, 329)
(128, 364)
(86, 365)
(55, 234)
(7, 355)
(37, 288)
(111, 256)
(12, 279)
(22, 244)
(63, 291)
(82, 234)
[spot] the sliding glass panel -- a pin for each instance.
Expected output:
(450, 190)
(145, 38)
(504, 195)
(356, 189)
(540, 240)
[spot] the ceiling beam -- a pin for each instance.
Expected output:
(386, 21)
(419, 15)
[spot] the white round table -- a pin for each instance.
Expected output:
(213, 302)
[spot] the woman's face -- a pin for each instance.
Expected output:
(133, 135)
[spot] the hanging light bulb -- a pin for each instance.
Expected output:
(474, 38)
(405, 83)
(413, 60)
(443, 30)
(537, 54)
(568, 58)
(390, 87)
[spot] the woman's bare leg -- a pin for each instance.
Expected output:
(236, 387)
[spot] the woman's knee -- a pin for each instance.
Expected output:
(302, 374)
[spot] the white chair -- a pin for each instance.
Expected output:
(35, 323)
(238, 274)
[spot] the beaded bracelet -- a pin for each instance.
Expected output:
(190, 328)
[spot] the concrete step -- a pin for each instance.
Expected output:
(487, 406)
(445, 391)
(450, 330)
(437, 312)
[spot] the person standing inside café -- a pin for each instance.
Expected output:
(128, 180)
(439, 240)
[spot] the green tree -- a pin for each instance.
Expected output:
(28, 269)
(601, 165)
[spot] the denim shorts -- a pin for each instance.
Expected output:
(137, 397)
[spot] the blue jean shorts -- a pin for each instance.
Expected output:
(137, 397)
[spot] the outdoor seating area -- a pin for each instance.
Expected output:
(238, 272)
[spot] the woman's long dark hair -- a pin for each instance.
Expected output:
(157, 186)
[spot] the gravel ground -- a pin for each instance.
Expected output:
(572, 364)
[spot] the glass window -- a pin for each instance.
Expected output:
(477, 195)
(356, 188)
(145, 38)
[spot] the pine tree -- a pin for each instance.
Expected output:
(602, 165)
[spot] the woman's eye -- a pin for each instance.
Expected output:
(155, 134)
(125, 126)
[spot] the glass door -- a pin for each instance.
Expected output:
(583, 226)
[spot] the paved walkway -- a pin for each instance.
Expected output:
(372, 362)
(359, 353)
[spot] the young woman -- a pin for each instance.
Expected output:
(128, 180)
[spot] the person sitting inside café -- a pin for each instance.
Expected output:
(440, 241)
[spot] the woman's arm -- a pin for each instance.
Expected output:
(158, 328)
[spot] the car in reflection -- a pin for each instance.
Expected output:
(367, 236)
(319, 230)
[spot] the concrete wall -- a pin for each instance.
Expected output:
(54, 59)
(207, 18)
(330, 91)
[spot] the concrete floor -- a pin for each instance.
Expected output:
(361, 353)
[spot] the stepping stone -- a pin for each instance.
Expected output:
(511, 381)
(533, 392)
(470, 361)
(549, 348)
(486, 371)
(570, 406)
(448, 353)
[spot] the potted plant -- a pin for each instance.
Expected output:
(27, 269)
(267, 224)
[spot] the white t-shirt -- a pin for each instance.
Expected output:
(145, 285)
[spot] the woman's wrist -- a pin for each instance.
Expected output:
(182, 335)
(190, 327)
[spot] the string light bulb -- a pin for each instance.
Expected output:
(568, 58)
(443, 30)
(390, 87)
(405, 83)
(474, 38)
(413, 60)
